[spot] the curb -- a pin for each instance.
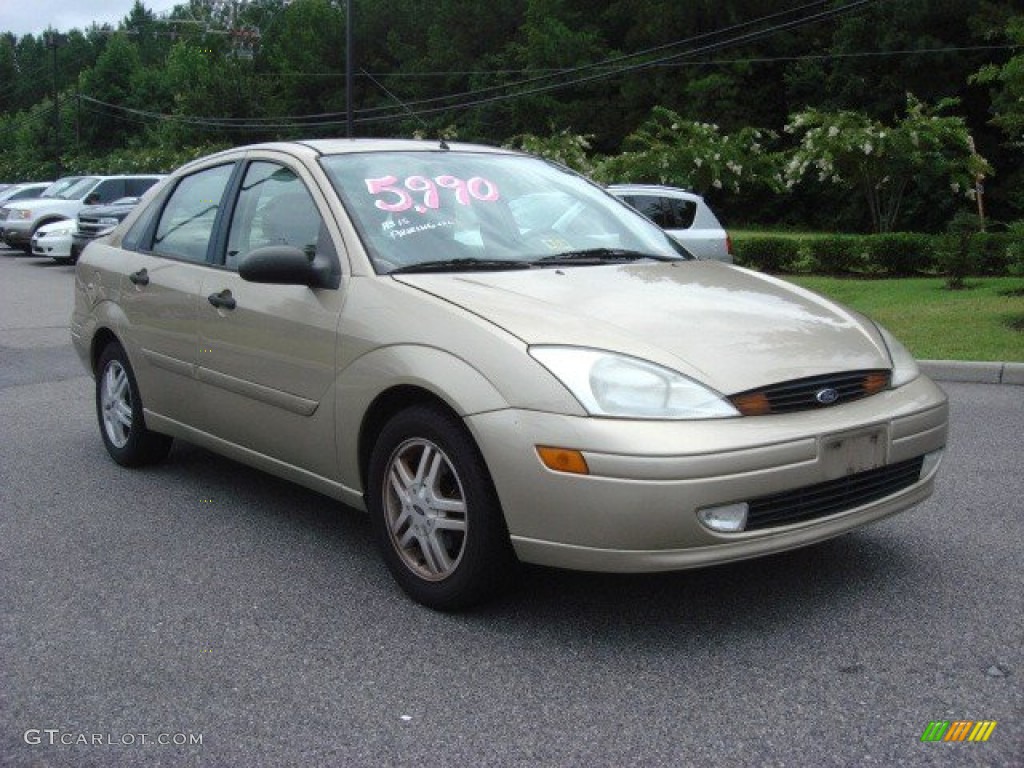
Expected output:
(975, 373)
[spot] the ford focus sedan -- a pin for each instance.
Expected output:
(392, 324)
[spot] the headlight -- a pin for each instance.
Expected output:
(610, 384)
(61, 231)
(23, 215)
(904, 367)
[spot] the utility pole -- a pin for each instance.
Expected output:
(349, 58)
(53, 41)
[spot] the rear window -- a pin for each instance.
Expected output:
(666, 212)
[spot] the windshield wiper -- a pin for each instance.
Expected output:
(600, 256)
(461, 265)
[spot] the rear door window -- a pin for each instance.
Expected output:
(666, 212)
(107, 191)
(187, 220)
(138, 187)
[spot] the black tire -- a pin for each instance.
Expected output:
(120, 415)
(443, 537)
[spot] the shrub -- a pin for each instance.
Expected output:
(1015, 249)
(956, 256)
(835, 254)
(768, 254)
(900, 254)
(991, 255)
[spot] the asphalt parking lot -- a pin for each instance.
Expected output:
(142, 612)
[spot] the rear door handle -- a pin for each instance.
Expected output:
(222, 300)
(140, 278)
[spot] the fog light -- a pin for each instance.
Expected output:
(930, 463)
(726, 519)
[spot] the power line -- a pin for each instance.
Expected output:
(607, 63)
(371, 115)
(744, 38)
(701, 63)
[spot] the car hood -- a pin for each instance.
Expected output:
(728, 327)
(46, 205)
(99, 211)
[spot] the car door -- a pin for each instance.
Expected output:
(164, 262)
(267, 352)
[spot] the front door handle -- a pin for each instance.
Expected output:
(222, 300)
(140, 278)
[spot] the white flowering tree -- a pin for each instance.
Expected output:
(668, 149)
(570, 149)
(851, 149)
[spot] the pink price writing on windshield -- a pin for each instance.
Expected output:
(465, 191)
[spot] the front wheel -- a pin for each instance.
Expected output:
(119, 409)
(437, 517)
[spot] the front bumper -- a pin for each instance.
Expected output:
(54, 246)
(637, 509)
(17, 233)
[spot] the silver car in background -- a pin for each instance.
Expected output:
(683, 214)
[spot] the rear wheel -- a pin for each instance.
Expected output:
(435, 511)
(119, 409)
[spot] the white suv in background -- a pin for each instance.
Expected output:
(682, 214)
(20, 221)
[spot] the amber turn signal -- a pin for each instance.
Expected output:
(563, 460)
(753, 404)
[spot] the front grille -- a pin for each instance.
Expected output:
(831, 497)
(807, 394)
(91, 227)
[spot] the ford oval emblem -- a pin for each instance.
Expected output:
(827, 396)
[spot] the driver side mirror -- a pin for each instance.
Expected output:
(287, 265)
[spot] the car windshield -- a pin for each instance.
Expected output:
(60, 185)
(452, 211)
(76, 191)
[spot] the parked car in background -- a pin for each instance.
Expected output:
(95, 221)
(395, 324)
(65, 201)
(682, 214)
(51, 191)
(15, 192)
(54, 240)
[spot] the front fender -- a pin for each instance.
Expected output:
(447, 377)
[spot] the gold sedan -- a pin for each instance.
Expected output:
(495, 358)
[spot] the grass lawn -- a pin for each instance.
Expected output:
(983, 322)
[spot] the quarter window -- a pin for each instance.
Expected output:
(186, 223)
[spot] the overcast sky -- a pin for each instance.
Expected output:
(23, 17)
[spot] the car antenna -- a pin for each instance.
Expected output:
(441, 142)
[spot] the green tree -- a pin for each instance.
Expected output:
(1007, 85)
(110, 81)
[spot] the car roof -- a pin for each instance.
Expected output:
(654, 189)
(312, 148)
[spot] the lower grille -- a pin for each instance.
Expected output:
(831, 497)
